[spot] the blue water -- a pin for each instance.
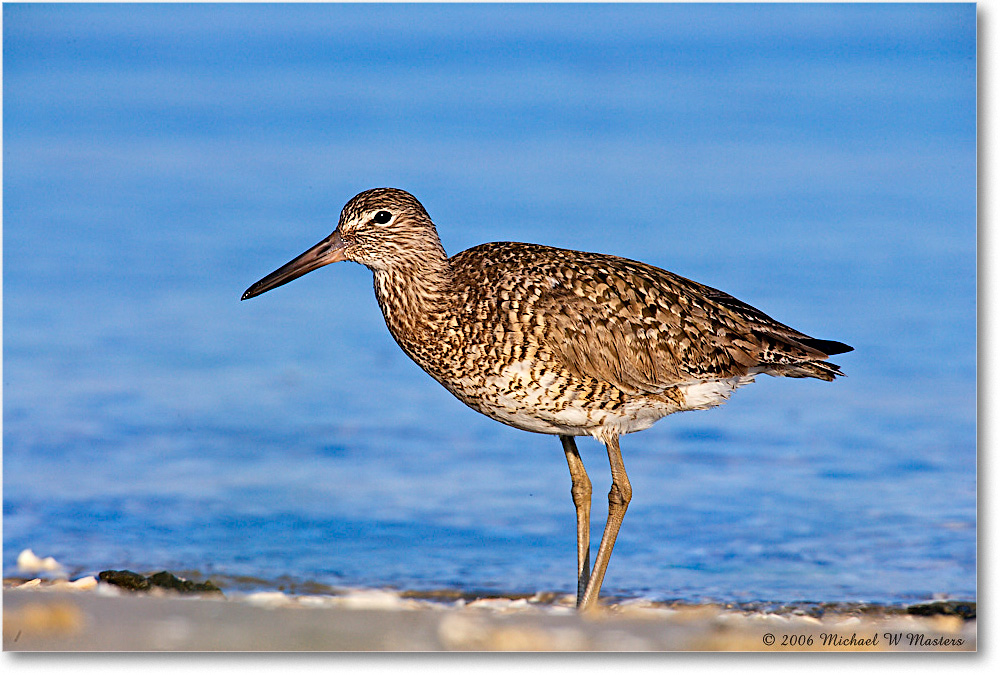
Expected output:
(817, 161)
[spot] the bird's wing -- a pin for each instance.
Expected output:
(644, 329)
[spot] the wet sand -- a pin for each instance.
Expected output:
(91, 616)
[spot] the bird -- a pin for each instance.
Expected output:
(558, 341)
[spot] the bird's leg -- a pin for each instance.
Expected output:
(581, 499)
(618, 499)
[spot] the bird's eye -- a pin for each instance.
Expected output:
(382, 217)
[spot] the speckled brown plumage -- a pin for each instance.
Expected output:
(558, 341)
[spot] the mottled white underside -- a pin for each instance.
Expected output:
(520, 397)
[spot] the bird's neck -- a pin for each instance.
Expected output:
(416, 299)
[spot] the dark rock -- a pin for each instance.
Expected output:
(136, 582)
(126, 579)
(966, 610)
(167, 580)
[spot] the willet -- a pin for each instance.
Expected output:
(556, 341)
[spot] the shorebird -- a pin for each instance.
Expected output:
(557, 341)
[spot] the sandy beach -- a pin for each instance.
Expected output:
(91, 616)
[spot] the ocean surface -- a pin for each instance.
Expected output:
(816, 161)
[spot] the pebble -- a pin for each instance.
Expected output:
(27, 561)
(374, 600)
(268, 599)
(81, 584)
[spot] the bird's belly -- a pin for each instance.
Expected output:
(550, 402)
(577, 420)
(524, 395)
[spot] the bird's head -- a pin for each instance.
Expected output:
(378, 228)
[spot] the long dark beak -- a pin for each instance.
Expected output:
(330, 250)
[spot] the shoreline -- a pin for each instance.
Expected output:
(92, 616)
